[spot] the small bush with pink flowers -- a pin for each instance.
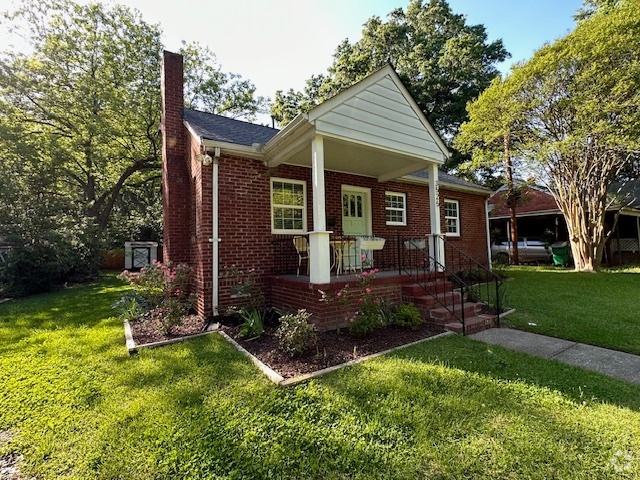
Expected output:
(369, 312)
(163, 290)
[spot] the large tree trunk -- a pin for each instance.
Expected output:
(511, 202)
(580, 185)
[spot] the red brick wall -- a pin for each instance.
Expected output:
(176, 189)
(245, 215)
(289, 294)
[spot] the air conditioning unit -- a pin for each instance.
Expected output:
(139, 254)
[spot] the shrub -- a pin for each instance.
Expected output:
(165, 289)
(295, 334)
(38, 264)
(371, 312)
(131, 306)
(407, 315)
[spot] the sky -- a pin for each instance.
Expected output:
(278, 44)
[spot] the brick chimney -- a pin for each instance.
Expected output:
(176, 210)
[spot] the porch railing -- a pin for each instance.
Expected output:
(428, 260)
(466, 278)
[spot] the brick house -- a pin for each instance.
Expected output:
(361, 167)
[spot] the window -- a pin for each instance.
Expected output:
(288, 206)
(396, 207)
(452, 217)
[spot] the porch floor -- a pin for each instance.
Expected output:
(347, 278)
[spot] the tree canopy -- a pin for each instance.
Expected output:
(443, 61)
(79, 120)
(575, 107)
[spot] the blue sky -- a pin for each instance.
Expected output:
(278, 44)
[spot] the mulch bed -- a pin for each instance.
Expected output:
(145, 332)
(333, 348)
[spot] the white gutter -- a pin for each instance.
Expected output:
(215, 234)
(486, 222)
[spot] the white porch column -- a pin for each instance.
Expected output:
(436, 242)
(320, 263)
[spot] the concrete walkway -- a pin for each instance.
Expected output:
(609, 362)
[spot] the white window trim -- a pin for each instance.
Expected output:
(457, 218)
(304, 206)
(404, 210)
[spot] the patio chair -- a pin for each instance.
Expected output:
(302, 247)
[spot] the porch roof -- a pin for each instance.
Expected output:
(374, 128)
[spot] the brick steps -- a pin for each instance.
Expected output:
(432, 310)
(474, 324)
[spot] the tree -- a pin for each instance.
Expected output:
(443, 62)
(493, 135)
(83, 103)
(79, 143)
(580, 100)
(82, 107)
(209, 89)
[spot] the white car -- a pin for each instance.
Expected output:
(530, 249)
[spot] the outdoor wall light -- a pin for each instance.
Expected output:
(205, 159)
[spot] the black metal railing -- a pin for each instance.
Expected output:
(431, 259)
(445, 272)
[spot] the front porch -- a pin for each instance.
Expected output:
(404, 270)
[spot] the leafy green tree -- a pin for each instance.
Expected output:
(444, 63)
(209, 89)
(493, 135)
(83, 102)
(580, 102)
(79, 118)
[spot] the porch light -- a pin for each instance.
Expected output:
(205, 159)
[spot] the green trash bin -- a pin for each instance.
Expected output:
(560, 251)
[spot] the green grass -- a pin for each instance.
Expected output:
(81, 408)
(595, 308)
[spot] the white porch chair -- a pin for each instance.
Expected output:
(302, 247)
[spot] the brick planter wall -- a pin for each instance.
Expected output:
(291, 294)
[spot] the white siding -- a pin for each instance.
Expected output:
(382, 117)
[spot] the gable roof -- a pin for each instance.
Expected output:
(227, 130)
(378, 110)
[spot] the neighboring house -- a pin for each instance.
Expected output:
(537, 212)
(359, 168)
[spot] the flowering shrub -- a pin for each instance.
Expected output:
(295, 334)
(165, 287)
(370, 312)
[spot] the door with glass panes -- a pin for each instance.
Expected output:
(355, 222)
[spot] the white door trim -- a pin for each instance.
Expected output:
(368, 212)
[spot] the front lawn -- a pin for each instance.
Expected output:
(595, 308)
(78, 406)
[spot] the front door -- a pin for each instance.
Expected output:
(356, 221)
(355, 212)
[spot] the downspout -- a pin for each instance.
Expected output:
(486, 222)
(215, 238)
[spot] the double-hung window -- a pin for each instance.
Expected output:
(396, 208)
(452, 218)
(288, 206)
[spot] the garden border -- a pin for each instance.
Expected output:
(133, 348)
(288, 382)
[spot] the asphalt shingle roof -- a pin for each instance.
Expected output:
(450, 179)
(224, 129)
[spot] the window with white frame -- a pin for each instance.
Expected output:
(452, 217)
(288, 206)
(396, 207)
